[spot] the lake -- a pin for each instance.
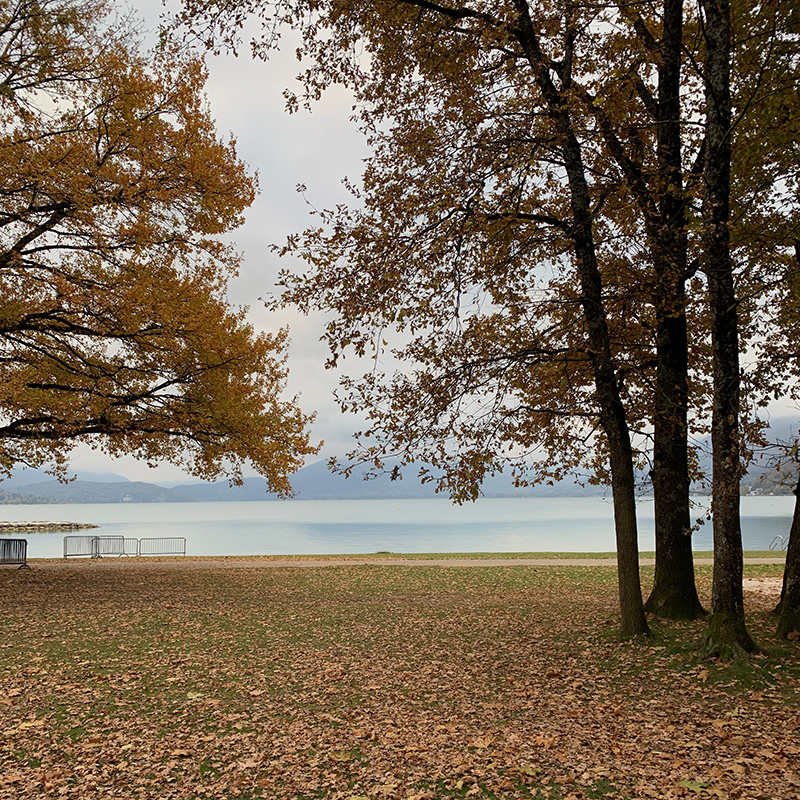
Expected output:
(306, 527)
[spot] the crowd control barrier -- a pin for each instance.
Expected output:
(167, 546)
(14, 551)
(779, 543)
(98, 546)
(79, 546)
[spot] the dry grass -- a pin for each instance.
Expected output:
(377, 681)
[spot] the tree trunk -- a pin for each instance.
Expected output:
(726, 634)
(612, 411)
(674, 593)
(789, 607)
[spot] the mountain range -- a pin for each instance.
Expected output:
(314, 482)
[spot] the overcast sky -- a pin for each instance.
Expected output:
(316, 149)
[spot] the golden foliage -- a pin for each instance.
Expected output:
(114, 189)
(458, 249)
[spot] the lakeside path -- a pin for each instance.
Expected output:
(271, 562)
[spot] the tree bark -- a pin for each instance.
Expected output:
(726, 634)
(674, 593)
(789, 606)
(612, 411)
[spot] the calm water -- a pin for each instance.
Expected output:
(405, 526)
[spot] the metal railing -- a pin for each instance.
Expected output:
(108, 546)
(779, 543)
(98, 546)
(166, 546)
(94, 546)
(14, 551)
(79, 546)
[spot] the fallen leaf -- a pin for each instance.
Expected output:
(694, 786)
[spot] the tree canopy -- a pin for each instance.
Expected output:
(461, 238)
(114, 192)
(555, 199)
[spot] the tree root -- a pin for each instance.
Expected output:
(726, 638)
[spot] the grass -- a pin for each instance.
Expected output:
(387, 554)
(378, 681)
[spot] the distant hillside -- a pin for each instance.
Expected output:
(49, 492)
(314, 482)
(763, 477)
(24, 477)
(317, 482)
(775, 481)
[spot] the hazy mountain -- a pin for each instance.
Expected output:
(89, 492)
(317, 482)
(314, 482)
(26, 477)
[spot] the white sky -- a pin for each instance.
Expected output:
(317, 149)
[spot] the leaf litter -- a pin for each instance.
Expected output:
(377, 681)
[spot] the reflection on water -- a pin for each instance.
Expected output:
(400, 526)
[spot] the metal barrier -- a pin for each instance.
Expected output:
(14, 551)
(94, 546)
(79, 546)
(98, 546)
(779, 543)
(108, 546)
(167, 546)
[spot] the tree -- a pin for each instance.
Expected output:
(636, 104)
(114, 190)
(511, 142)
(769, 240)
(726, 628)
(788, 609)
(480, 177)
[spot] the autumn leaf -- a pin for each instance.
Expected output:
(341, 755)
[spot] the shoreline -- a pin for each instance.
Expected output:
(311, 562)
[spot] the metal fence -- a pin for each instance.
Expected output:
(108, 546)
(166, 546)
(98, 546)
(79, 546)
(779, 543)
(14, 551)
(94, 546)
